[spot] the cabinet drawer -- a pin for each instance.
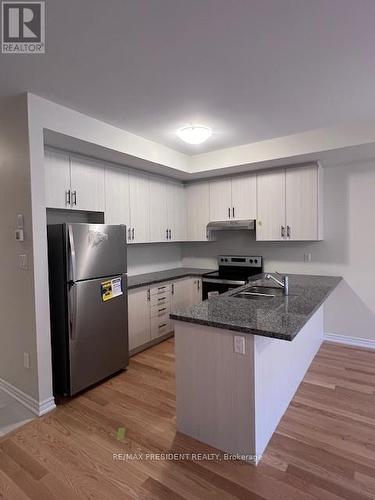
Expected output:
(161, 289)
(160, 300)
(160, 310)
(160, 325)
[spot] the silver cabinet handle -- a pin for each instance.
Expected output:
(233, 212)
(166, 233)
(74, 198)
(198, 285)
(170, 234)
(282, 231)
(148, 294)
(162, 309)
(288, 231)
(229, 212)
(67, 197)
(162, 326)
(129, 234)
(133, 232)
(172, 288)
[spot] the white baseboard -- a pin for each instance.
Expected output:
(353, 341)
(39, 408)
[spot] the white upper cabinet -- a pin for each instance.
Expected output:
(117, 205)
(286, 203)
(220, 199)
(289, 205)
(176, 212)
(233, 199)
(271, 206)
(198, 210)
(139, 195)
(87, 184)
(57, 179)
(158, 210)
(244, 197)
(303, 209)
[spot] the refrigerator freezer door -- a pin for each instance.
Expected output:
(98, 332)
(95, 250)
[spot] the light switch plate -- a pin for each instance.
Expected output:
(22, 262)
(307, 257)
(239, 344)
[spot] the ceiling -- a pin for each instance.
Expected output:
(250, 69)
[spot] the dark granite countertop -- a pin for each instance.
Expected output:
(159, 276)
(280, 317)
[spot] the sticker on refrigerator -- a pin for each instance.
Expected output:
(111, 289)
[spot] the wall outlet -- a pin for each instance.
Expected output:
(22, 262)
(307, 257)
(239, 344)
(26, 360)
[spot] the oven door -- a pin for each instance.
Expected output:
(218, 286)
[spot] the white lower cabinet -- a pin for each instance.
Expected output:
(150, 307)
(139, 309)
(186, 292)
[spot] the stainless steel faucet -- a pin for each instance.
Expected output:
(284, 283)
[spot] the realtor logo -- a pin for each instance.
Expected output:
(23, 28)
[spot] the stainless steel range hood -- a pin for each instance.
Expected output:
(231, 225)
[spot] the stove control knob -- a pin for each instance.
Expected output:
(251, 261)
(255, 261)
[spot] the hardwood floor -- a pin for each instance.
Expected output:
(324, 447)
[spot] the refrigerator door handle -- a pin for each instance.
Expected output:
(72, 255)
(72, 310)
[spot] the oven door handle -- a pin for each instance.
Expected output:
(223, 281)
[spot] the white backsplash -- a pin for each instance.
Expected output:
(153, 257)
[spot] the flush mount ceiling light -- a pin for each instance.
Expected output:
(194, 134)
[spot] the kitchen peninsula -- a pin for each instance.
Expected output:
(240, 358)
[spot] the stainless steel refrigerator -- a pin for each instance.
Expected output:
(88, 303)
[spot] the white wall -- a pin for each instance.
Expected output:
(348, 249)
(17, 330)
(153, 257)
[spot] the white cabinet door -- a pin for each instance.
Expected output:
(139, 195)
(117, 207)
(139, 317)
(158, 210)
(57, 179)
(181, 294)
(198, 210)
(220, 200)
(196, 290)
(302, 203)
(244, 197)
(271, 206)
(176, 212)
(87, 183)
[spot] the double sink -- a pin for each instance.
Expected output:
(259, 293)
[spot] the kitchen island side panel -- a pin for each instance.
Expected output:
(215, 388)
(279, 369)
